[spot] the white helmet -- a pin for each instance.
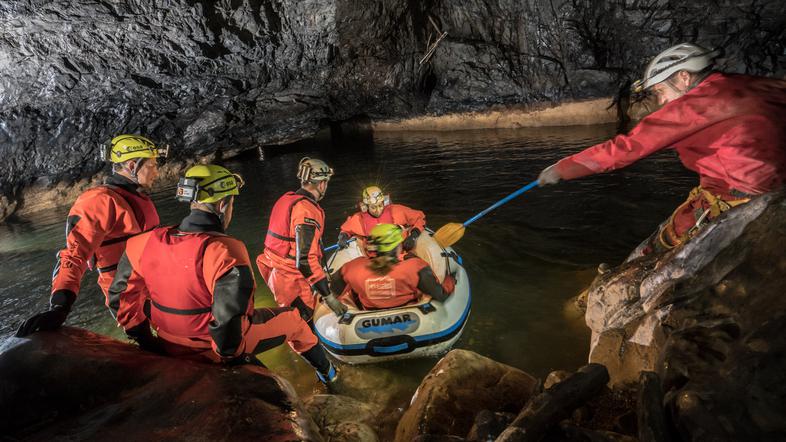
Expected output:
(683, 57)
(312, 170)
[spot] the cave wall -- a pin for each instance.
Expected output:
(210, 75)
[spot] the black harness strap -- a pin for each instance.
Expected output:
(178, 311)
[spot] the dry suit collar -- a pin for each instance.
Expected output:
(122, 182)
(307, 194)
(201, 221)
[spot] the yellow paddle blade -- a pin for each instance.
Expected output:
(449, 234)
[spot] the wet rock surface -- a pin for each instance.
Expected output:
(343, 418)
(708, 318)
(222, 76)
(461, 385)
(74, 384)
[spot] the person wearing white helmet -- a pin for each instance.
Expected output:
(291, 263)
(376, 208)
(728, 128)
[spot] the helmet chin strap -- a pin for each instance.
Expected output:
(134, 173)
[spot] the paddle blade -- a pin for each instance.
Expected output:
(449, 234)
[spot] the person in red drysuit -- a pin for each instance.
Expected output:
(385, 281)
(99, 223)
(376, 208)
(198, 284)
(291, 263)
(727, 128)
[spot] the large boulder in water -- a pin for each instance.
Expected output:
(74, 384)
(461, 385)
(709, 318)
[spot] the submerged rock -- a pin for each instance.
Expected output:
(342, 418)
(75, 384)
(461, 385)
(708, 317)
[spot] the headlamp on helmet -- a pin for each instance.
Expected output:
(208, 183)
(312, 170)
(374, 197)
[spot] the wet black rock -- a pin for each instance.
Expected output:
(708, 317)
(76, 385)
(213, 76)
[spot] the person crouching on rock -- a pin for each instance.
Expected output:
(200, 284)
(291, 263)
(99, 223)
(727, 128)
(385, 282)
(376, 208)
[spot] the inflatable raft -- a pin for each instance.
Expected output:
(427, 328)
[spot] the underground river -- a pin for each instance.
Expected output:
(525, 260)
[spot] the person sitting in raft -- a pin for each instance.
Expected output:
(376, 208)
(200, 284)
(99, 223)
(727, 128)
(383, 281)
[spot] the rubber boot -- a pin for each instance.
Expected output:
(316, 356)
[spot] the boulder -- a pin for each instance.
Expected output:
(461, 385)
(708, 318)
(75, 384)
(350, 432)
(342, 418)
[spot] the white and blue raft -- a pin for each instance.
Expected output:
(425, 328)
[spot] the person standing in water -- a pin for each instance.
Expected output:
(727, 128)
(99, 223)
(291, 263)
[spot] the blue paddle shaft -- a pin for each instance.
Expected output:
(335, 246)
(501, 202)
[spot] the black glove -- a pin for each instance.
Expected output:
(60, 306)
(411, 240)
(144, 337)
(343, 240)
(322, 287)
(337, 306)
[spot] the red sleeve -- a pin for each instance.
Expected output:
(353, 225)
(91, 217)
(403, 215)
(659, 130)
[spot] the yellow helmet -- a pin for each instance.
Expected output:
(208, 183)
(312, 170)
(128, 147)
(384, 238)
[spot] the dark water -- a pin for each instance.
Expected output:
(525, 260)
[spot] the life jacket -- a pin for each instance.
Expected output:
(386, 217)
(111, 249)
(279, 238)
(398, 287)
(171, 264)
